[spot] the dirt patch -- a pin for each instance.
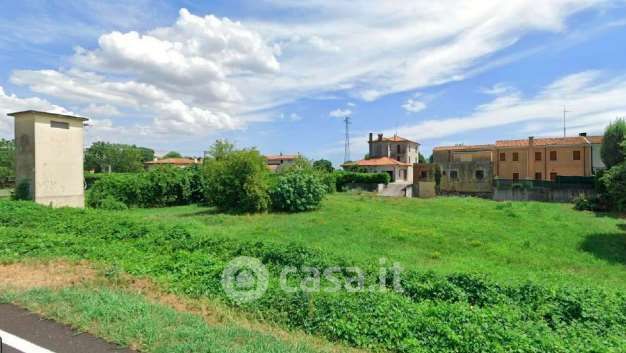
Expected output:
(54, 274)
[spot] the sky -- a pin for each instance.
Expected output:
(281, 75)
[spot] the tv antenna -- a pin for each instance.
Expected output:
(346, 155)
(565, 111)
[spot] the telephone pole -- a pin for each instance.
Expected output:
(346, 156)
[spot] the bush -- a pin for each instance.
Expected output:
(297, 191)
(612, 152)
(111, 204)
(614, 181)
(22, 191)
(159, 187)
(238, 182)
(344, 178)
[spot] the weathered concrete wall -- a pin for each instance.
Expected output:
(51, 158)
(546, 195)
(467, 178)
(424, 189)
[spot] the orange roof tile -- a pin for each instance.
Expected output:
(397, 138)
(175, 161)
(464, 148)
(595, 139)
(382, 161)
(285, 157)
(550, 141)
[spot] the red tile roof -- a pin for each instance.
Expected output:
(595, 139)
(550, 141)
(382, 161)
(397, 138)
(464, 148)
(285, 157)
(173, 161)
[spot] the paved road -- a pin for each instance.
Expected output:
(24, 332)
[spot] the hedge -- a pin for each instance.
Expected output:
(342, 178)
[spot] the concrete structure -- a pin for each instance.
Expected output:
(393, 155)
(277, 162)
(175, 162)
(465, 169)
(49, 157)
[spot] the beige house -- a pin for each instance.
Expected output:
(175, 162)
(393, 155)
(276, 162)
(49, 157)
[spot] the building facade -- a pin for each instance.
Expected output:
(49, 157)
(393, 155)
(279, 161)
(174, 162)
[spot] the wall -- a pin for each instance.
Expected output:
(467, 182)
(25, 151)
(596, 157)
(424, 189)
(546, 195)
(564, 165)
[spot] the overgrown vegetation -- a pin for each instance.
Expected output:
(7, 163)
(437, 312)
(343, 178)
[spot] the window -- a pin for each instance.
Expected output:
(515, 156)
(424, 174)
(454, 174)
(553, 176)
(59, 125)
(538, 176)
(576, 155)
(479, 174)
(398, 148)
(502, 157)
(553, 155)
(515, 176)
(537, 156)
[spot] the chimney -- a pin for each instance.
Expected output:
(371, 134)
(582, 134)
(380, 137)
(531, 140)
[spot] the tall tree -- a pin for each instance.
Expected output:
(172, 154)
(612, 152)
(220, 149)
(324, 165)
(421, 159)
(104, 157)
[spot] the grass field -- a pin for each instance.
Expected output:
(524, 277)
(513, 242)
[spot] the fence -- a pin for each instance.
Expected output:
(561, 183)
(563, 189)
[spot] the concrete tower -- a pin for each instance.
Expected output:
(49, 156)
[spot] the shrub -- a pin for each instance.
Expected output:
(22, 190)
(111, 204)
(297, 191)
(614, 181)
(344, 178)
(238, 182)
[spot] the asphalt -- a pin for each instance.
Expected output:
(50, 335)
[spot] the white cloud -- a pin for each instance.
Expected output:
(340, 113)
(291, 117)
(10, 103)
(593, 99)
(101, 111)
(414, 105)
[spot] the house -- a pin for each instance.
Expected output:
(176, 162)
(279, 161)
(472, 168)
(49, 157)
(393, 155)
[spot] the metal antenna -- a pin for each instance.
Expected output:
(565, 111)
(346, 156)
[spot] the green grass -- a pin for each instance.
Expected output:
(512, 242)
(131, 320)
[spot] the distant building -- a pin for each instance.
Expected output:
(49, 157)
(175, 162)
(279, 161)
(472, 168)
(393, 155)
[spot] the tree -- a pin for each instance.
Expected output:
(172, 154)
(421, 159)
(103, 157)
(220, 149)
(7, 161)
(612, 152)
(324, 165)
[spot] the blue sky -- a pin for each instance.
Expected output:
(279, 74)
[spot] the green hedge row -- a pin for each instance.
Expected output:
(342, 178)
(435, 313)
(160, 187)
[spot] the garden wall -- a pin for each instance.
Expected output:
(537, 194)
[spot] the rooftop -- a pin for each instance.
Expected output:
(464, 148)
(17, 114)
(284, 157)
(382, 161)
(174, 161)
(547, 141)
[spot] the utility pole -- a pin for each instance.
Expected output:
(565, 111)
(346, 156)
